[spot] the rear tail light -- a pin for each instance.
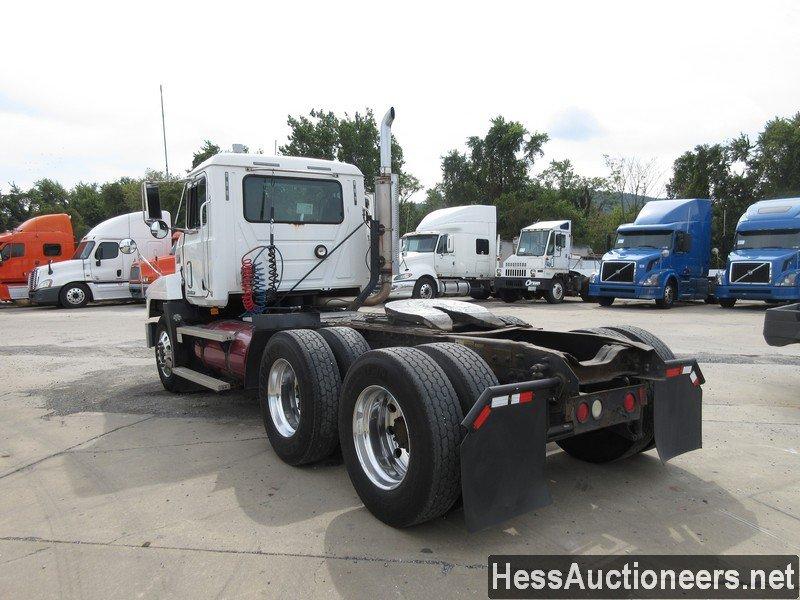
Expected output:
(582, 412)
(630, 402)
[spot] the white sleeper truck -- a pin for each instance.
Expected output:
(98, 270)
(429, 400)
(452, 252)
(543, 266)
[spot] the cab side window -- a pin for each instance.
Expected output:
(51, 249)
(107, 250)
(441, 247)
(561, 241)
(196, 195)
(13, 251)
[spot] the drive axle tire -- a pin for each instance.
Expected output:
(508, 296)
(605, 301)
(605, 445)
(347, 345)
(399, 428)
(465, 369)
(480, 294)
(298, 391)
(727, 302)
(425, 288)
(74, 295)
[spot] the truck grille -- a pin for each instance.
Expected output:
(618, 271)
(751, 272)
(515, 269)
(135, 273)
(32, 280)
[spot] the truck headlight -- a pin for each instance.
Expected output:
(593, 277)
(402, 276)
(652, 280)
(45, 283)
(789, 280)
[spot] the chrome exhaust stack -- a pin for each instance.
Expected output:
(387, 213)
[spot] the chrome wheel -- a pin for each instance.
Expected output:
(558, 290)
(75, 296)
(283, 398)
(164, 355)
(426, 291)
(381, 437)
(669, 295)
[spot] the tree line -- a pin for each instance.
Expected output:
(502, 168)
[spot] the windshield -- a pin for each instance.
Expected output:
(776, 238)
(644, 239)
(533, 243)
(419, 243)
(83, 250)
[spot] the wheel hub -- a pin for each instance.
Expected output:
(75, 295)
(381, 437)
(426, 291)
(164, 356)
(283, 398)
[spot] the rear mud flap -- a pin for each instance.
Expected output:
(502, 459)
(678, 410)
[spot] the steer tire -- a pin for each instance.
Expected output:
(555, 295)
(74, 295)
(670, 295)
(425, 288)
(168, 356)
(431, 419)
(465, 369)
(605, 301)
(347, 345)
(727, 302)
(314, 436)
(604, 445)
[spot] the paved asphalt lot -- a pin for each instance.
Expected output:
(111, 487)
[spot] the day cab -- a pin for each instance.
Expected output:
(765, 262)
(37, 241)
(97, 270)
(664, 255)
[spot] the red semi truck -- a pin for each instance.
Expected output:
(38, 241)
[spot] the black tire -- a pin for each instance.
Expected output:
(74, 295)
(314, 434)
(481, 293)
(425, 288)
(168, 356)
(512, 320)
(603, 445)
(670, 295)
(432, 413)
(555, 295)
(465, 369)
(347, 345)
(727, 302)
(605, 301)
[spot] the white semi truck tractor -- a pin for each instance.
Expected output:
(429, 400)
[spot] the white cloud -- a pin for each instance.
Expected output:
(79, 81)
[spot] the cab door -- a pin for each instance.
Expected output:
(109, 281)
(561, 251)
(444, 261)
(195, 259)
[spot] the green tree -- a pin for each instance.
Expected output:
(206, 151)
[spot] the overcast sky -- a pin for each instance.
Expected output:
(79, 81)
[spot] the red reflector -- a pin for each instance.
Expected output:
(481, 418)
(525, 397)
(674, 372)
(582, 414)
(630, 402)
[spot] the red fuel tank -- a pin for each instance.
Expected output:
(213, 355)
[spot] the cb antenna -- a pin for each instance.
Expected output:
(164, 130)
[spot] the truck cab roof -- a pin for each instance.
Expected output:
(293, 164)
(474, 218)
(780, 213)
(669, 214)
(565, 225)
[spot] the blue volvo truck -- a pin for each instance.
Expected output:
(664, 255)
(765, 262)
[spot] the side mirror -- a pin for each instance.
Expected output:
(665, 253)
(128, 246)
(159, 229)
(151, 202)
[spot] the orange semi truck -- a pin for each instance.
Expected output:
(143, 273)
(38, 241)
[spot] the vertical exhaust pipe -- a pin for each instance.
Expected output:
(386, 213)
